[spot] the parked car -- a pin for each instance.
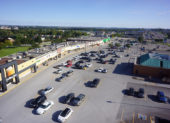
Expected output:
(78, 100)
(88, 65)
(70, 72)
(60, 78)
(130, 92)
(58, 66)
(127, 55)
(101, 70)
(68, 98)
(104, 62)
(37, 101)
(94, 83)
(58, 71)
(161, 97)
(69, 65)
(47, 90)
(44, 107)
(63, 64)
(65, 114)
(140, 93)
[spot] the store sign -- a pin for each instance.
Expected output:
(11, 77)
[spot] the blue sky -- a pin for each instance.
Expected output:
(87, 13)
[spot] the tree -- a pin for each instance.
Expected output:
(117, 44)
(38, 39)
(128, 45)
(110, 45)
(8, 43)
(35, 45)
(140, 39)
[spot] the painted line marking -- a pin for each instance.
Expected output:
(145, 98)
(133, 117)
(122, 115)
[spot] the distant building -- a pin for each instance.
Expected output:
(5, 28)
(133, 34)
(153, 64)
(99, 34)
(153, 36)
(15, 28)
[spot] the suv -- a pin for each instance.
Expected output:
(68, 98)
(140, 93)
(37, 101)
(130, 92)
(78, 100)
(161, 97)
(94, 83)
(70, 72)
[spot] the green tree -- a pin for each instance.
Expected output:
(140, 39)
(117, 44)
(38, 39)
(35, 45)
(8, 43)
(110, 45)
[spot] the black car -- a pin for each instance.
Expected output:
(81, 61)
(93, 51)
(92, 55)
(94, 83)
(130, 92)
(89, 60)
(37, 101)
(68, 98)
(78, 100)
(140, 93)
(70, 72)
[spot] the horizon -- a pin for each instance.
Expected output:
(152, 14)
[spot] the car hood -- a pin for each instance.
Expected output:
(163, 99)
(61, 119)
(39, 111)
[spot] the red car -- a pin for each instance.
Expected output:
(68, 65)
(69, 62)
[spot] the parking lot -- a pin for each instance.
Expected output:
(104, 104)
(136, 110)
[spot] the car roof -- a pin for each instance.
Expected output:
(46, 103)
(64, 112)
(161, 92)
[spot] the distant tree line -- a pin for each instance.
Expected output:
(33, 36)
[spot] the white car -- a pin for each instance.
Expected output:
(101, 70)
(88, 65)
(65, 114)
(58, 71)
(44, 107)
(64, 64)
(47, 90)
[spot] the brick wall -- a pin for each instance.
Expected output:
(151, 71)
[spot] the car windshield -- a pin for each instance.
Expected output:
(45, 106)
(81, 96)
(65, 112)
(47, 88)
(161, 94)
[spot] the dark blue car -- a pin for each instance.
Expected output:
(161, 97)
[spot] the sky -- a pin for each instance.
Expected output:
(86, 13)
